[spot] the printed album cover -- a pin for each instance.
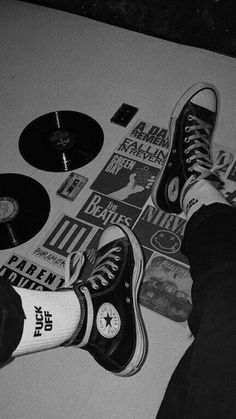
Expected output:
(121, 194)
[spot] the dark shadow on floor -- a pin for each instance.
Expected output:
(208, 24)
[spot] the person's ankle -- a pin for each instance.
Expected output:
(203, 192)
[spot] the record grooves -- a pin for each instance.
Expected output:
(61, 141)
(24, 209)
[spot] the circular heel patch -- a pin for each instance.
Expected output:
(108, 321)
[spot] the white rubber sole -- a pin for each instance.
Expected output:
(195, 88)
(141, 339)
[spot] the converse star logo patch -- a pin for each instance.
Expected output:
(108, 321)
(173, 189)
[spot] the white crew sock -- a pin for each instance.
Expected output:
(201, 193)
(51, 319)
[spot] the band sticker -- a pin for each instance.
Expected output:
(161, 232)
(166, 288)
(222, 156)
(101, 210)
(126, 180)
(232, 172)
(108, 321)
(24, 273)
(72, 186)
(67, 235)
(225, 159)
(146, 143)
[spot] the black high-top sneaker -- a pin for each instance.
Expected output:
(111, 326)
(191, 128)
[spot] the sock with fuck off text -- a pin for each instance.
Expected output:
(201, 193)
(50, 319)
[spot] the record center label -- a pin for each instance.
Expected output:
(62, 140)
(9, 208)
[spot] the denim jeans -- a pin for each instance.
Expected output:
(204, 383)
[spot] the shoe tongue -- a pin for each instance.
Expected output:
(109, 235)
(201, 112)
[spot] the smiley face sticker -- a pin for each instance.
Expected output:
(166, 241)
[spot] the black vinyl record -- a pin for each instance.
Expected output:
(24, 209)
(61, 141)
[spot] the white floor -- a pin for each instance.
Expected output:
(52, 60)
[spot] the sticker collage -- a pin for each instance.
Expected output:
(121, 194)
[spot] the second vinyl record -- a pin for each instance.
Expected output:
(61, 141)
(24, 209)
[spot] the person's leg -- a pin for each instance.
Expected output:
(11, 321)
(212, 387)
(204, 383)
(50, 319)
(113, 332)
(100, 314)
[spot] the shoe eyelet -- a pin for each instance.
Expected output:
(188, 161)
(126, 284)
(190, 169)
(104, 282)
(128, 300)
(187, 129)
(186, 151)
(115, 268)
(118, 249)
(111, 276)
(95, 286)
(187, 139)
(117, 258)
(190, 118)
